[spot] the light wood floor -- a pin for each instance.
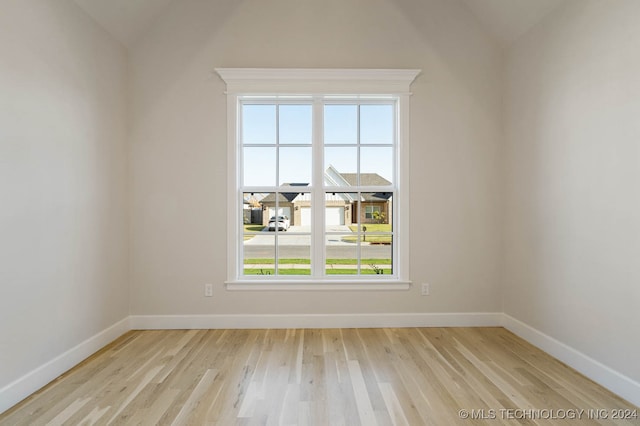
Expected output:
(414, 376)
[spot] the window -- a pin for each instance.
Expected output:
(373, 213)
(316, 195)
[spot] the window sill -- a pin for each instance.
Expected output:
(317, 285)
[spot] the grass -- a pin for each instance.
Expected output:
(365, 267)
(283, 261)
(366, 236)
(308, 261)
(373, 227)
(280, 271)
(355, 262)
(363, 271)
(252, 228)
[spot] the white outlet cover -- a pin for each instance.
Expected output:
(425, 289)
(208, 290)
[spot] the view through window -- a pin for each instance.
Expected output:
(318, 182)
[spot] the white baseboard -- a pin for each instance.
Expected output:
(154, 322)
(21, 388)
(595, 370)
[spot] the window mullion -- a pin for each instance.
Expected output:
(359, 184)
(276, 251)
(317, 194)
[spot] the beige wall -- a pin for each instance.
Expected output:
(572, 183)
(63, 228)
(178, 138)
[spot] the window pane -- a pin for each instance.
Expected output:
(337, 212)
(373, 231)
(290, 222)
(252, 212)
(277, 216)
(341, 254)
(301, 215)
(376, 166)
(375, 254)
(340, 165)
(376, 209)
(341, 250)
(376, 259)
(376, 124)
(259, 124)
(294, 254)
(295, 124)
(341, 124)
(259, 254)
(259, 166)
(295, 165)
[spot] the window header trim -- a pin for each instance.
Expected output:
(313, 80)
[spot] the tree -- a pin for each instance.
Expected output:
(378, 216)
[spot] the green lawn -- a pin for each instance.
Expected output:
(266, 271)
(371, 229)
(283, 261)
(308, 261)
(364, 271)
(252, 228)
(355, 262)
(365, 268)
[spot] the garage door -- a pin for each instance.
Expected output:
(282, 211)
(333, 216)
(305, 216)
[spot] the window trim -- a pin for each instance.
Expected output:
(361, 83)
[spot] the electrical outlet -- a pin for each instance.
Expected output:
(425, 289)
(208, 290)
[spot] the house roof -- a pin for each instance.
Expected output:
(366, 179)
(376, 196)
(284, 197)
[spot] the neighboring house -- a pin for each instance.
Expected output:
(252, 209)
(341, 207)
(370, 203)
(286, 201)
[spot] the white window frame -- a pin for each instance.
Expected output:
(363, 83)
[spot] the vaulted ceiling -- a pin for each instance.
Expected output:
(126, 20)
(505, 20)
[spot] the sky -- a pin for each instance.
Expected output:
(282, 135)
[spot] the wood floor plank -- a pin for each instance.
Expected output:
(363, 402)
(395, 376)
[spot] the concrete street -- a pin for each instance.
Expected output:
(336, 252)
(291, 245)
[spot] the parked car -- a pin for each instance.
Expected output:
(283, 223)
